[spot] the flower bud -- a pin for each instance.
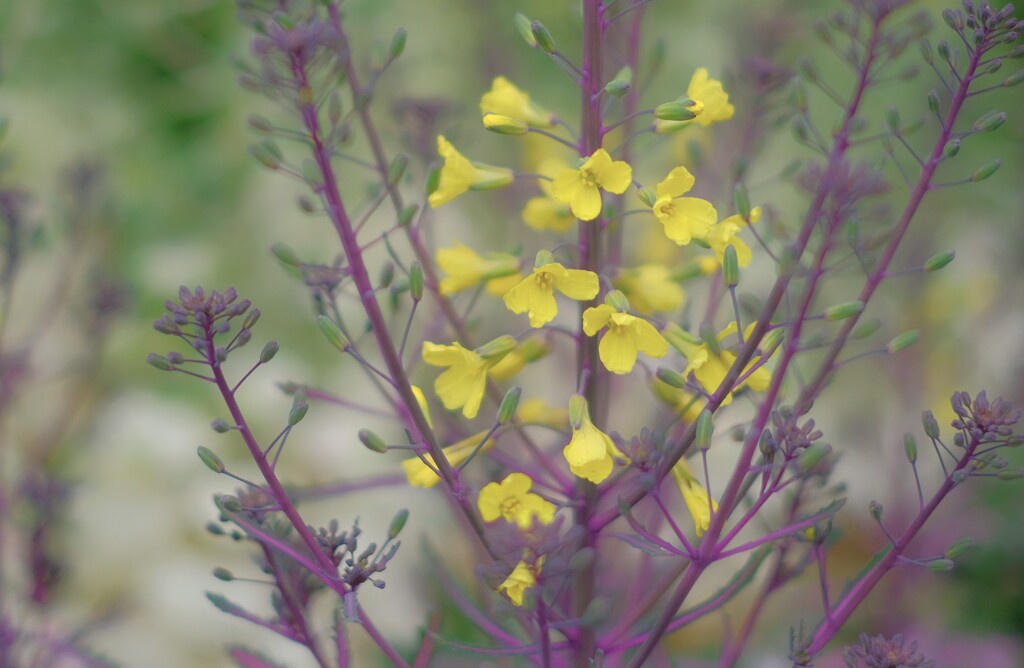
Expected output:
(812, 456)
(710, 339)
(933, 101)
(223, 574)
(990, 121)
(875, 508)
(334, 335)
(678, 338)
(509, 403)
(387, 274)
(416, 281)
(1013, 79)
(543, 257)
(396, 170)
(397, 45)
(230, 503)
(543, 38)
(297, 412)
(260, 123)
(525, 28)
(210, 458)
(617, 301)
(844, 310)
(939, 260)
(670, 377)
(372, 441)
(433, 179)
(577, 410)
(680, 110)
(285, 255)
(647, 196)
(959, 548)
(268, 352)
(741, 200)
(505, 125)
(866, 329)
(941, 565)
(903, 341)
(159, 362)
(265, 155)
(398, 523)
(496, 349)
(892, 117)
(910, 447)
(986, 170)
(926, 50)
(220, 425)
(731, 267)
(620, 85)
(1011, 475)
(705, 429)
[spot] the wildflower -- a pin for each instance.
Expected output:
(465, 269)
(581, 188)
(627, 336)
(512, 500)
(684, 218)
(590, 452)
(536, 293)
(546, 212)
(459, 175)
(419, 474)
(710, 363)
(528, 351)
(522, 577)
(462, 384)
(650, 289)
(725, 233)
(694, 496)
(507, 100)
(711, 95)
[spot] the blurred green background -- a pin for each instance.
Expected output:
(149, 90)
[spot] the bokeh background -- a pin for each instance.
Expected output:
(148, 90)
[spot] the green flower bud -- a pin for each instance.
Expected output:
(933, 101)
(617, 301)
(990, 121)
(866, 329)
(336, 337)
(268, 352)
(844, 310)
(670, 377)
(943, 49)
(678, 338)
(509, 404)
(210, 458)
(215, 529)
(959, 548)
(305, 204)
(543, 38)
(1011, 475)
(397, 45)
(495, 349)
(986, 170)
(525, 28)
(741, 200)
(505, 125)
(260, 123)
(398, 523)
(941, 565)
(710, 339)
(387, 274)
(433, 179)
(372, 441)
(773, 338)
(297, 412)
(731, 267)
(620, 85)
(959, 477)
(577, 410)
(230, 503)
(892, 118)
(875, 508)
(1013, 79)
(223, 574)
(910, 447)
(396, 170)
(159, 362)
(680, 110)
(926, 50)
(812, 456)
(265, 155)
(705, 429)
(903, 341)
(407, 214)
(939, 260)
(285, 255)
(416, 281)
(951, 148)
(220, 425)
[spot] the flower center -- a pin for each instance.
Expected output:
(665, 208)
(544, 280)
(588, 177)
(511, 506)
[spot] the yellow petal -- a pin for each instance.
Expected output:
(421, 399)
(616, 177)
(691, 217)
(588, 454)
(578, 284)
(547, 213)
(678, 181)
(439, 355)
(457, 174)
(617, 351)
(596, 317)
(586, 202)
(709, 92)
(648, 339)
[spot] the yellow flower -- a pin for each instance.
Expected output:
(507, 100)
(459, 175)
(462, 384)
(725, 233)
(710, 367)
(511, 498)
(683, 217)
(421, 399)
(591, 452)
(547, 213)
(536, 293)
(420, 475)
(581, 188)
(522, 577)
(465, 268)
(538, 411)
(650, 289)
(680, 400)
(627, 335)
(694, 496)
(528, 351)
(708, 92)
